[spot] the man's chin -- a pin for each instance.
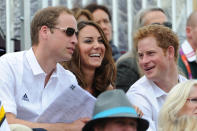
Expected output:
(68, 58)
(149, 76)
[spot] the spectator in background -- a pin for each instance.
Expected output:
(92, 62)
(83, 15)
(157, 49)
(114, 112)
(32, 80)
(128, 71)
(102, 16)
(188, 50)
(181, 100)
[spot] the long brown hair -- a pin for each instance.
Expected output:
(104, 75)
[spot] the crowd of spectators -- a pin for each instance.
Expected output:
(72, 51)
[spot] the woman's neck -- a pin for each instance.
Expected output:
(89, 77)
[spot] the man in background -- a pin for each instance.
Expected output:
(188, 50)
(114, 112)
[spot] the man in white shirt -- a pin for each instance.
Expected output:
(157, 48)
(128, 71)
(31, 80)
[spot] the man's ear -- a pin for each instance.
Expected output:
(171, 52)
(188, 31)
(44, 32)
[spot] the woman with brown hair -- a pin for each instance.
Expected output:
(83, 15)
(92, 61)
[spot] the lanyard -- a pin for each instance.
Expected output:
(184, 59)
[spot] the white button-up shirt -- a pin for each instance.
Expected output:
(22, 84)
(149, 98)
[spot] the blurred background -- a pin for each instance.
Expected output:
(16, 15)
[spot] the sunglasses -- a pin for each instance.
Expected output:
(166, 24)
(68, 31)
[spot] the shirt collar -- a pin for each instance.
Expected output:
(188, 51)
(35, 66)
(33, 63)
(157, 91)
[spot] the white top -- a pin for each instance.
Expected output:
(188, 51)
(149, 98)
(22, 85)
(3, 122)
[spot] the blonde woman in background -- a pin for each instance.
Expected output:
(181, 100)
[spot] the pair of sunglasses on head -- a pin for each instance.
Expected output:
(68, 31)
(166, 24)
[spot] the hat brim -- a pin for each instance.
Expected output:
(142, 123)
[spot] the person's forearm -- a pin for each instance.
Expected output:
(46, 126)
(75, 126)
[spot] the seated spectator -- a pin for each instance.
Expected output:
(188, 50)
(83, 15)
(157, 49)
(102, 16)
(92, 61)
(113, 112)
(181, 100)
(32, 80)
(128, 71)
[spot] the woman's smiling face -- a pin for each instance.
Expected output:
(91, 47)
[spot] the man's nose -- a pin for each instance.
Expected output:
(144, 59)
(74, 39)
